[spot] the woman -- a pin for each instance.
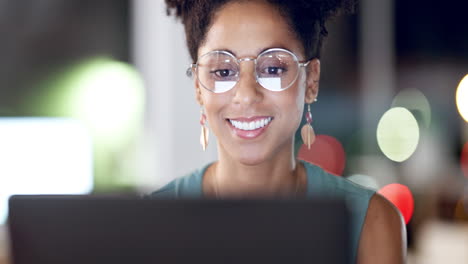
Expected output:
(256, 64)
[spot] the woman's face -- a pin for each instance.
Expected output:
(246, 29)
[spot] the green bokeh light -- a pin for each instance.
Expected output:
(415, 101)
(109, 97)
(398, 134)
(364, 180)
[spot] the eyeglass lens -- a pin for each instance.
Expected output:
(219, 71)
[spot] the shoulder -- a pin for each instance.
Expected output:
(383, 238)
(188, 186)
(357, 197)
(382, 211)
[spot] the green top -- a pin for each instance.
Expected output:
(319, 183)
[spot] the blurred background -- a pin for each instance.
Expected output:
(94, 99)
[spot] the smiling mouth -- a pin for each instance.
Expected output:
(252, 125)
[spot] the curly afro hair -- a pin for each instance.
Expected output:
(306, 17)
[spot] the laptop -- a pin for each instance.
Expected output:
(90, 229)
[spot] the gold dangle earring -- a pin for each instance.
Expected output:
(205, 132)
(307, 132)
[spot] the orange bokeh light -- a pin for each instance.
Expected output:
(400, 196)
(461, 209)
(326, 152)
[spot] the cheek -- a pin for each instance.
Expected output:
(291, 104)
(300, 91)
(297, 104)
(296, 98)
(213, 105)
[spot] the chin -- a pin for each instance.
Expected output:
(253, 154)
(252, 158)
(251, 162)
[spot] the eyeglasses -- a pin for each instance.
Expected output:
(218, 71)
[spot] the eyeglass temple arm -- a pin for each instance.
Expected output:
(304, 64)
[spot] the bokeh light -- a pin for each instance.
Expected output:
(44, 156)
(464, 159)
(400, 196)
(415, 101)
(326, 152)
(398, 134)
(364, 180)
(462, 98)
(461, 209)
(108, 95)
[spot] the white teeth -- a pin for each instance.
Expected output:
(250, 125)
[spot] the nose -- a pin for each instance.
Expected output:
(248, 90)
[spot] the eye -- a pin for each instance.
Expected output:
(274, 70)
(223, 73)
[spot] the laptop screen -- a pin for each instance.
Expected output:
(84, 229)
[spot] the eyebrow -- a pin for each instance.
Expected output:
(226, 50)
(258, 52)
(273, 47)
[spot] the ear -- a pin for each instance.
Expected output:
(312, 82)
(198, 95)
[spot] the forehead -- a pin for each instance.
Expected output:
(248, 27)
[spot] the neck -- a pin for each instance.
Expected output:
(279, 176)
